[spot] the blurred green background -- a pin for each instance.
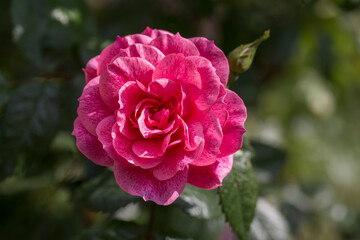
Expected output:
(302, 95)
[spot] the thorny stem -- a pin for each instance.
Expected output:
(149, 235)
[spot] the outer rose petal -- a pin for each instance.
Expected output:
(103, 131)
(91, 69)
(90, 146)
(210, 83)
(122, 70)
(213, 137)
(175, 44)
(233, 129)
(91, 108)
(154, 33)
(210, 177)
(140, 182)
(107, 55)
(217, 58)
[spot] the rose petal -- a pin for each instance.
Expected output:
(233, 128)
(90, 146)
(210, 177)
(177, 67)
(91, 108)
(107, 55)
(149, 132)
(217, 58)
(153, 33)
(91, 69)
(175, 44)
(103, 131)
(124, 147)
(122, 70)
(176, 158)
(210, 84)
(130, 94)
(140, 182)
(213, 137)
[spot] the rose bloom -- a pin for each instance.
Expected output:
(155, 108)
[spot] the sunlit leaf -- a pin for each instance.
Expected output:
(239, 193)
(103, 194)
(199, 202)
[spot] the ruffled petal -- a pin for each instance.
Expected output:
(89, 145)
(122, 70)
(91, 69)
(217, 57)
(233, 108)
(177, 67)
(140, 182)
(154, 33)
(210, 84)
(91, 108)
(175, 44)
(176, 158)
(124, 147)
(130, 94)
(107, 55)
(213, 138)
(103, 131)
(210, 177)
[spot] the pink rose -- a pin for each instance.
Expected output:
(155, 107)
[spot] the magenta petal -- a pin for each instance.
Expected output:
(193, 134)
(210, 83)
(122, 70)
(90, 146)
(107, 55)
(154, 33)
(130, 94)
(175, 44)
(124, 147)
(140, 182)
(217, 58)
(213, 137)
(210, 177)
(91, 108)
(149, 148)
(103, 131)
(149, 53)
(233, 128)
(91, 69)
(175, 160)
(177, 67)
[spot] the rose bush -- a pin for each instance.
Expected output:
(155, 107)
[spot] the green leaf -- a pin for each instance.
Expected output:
(28, 123)
(240, 59)
(30, 18)
(199, 202)
(268, 223)
(239, 193)
(103, 194)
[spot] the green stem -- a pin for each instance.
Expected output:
(149, 235)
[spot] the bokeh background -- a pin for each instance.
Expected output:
(302, 94)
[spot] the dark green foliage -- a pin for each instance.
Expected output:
(239, 193)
